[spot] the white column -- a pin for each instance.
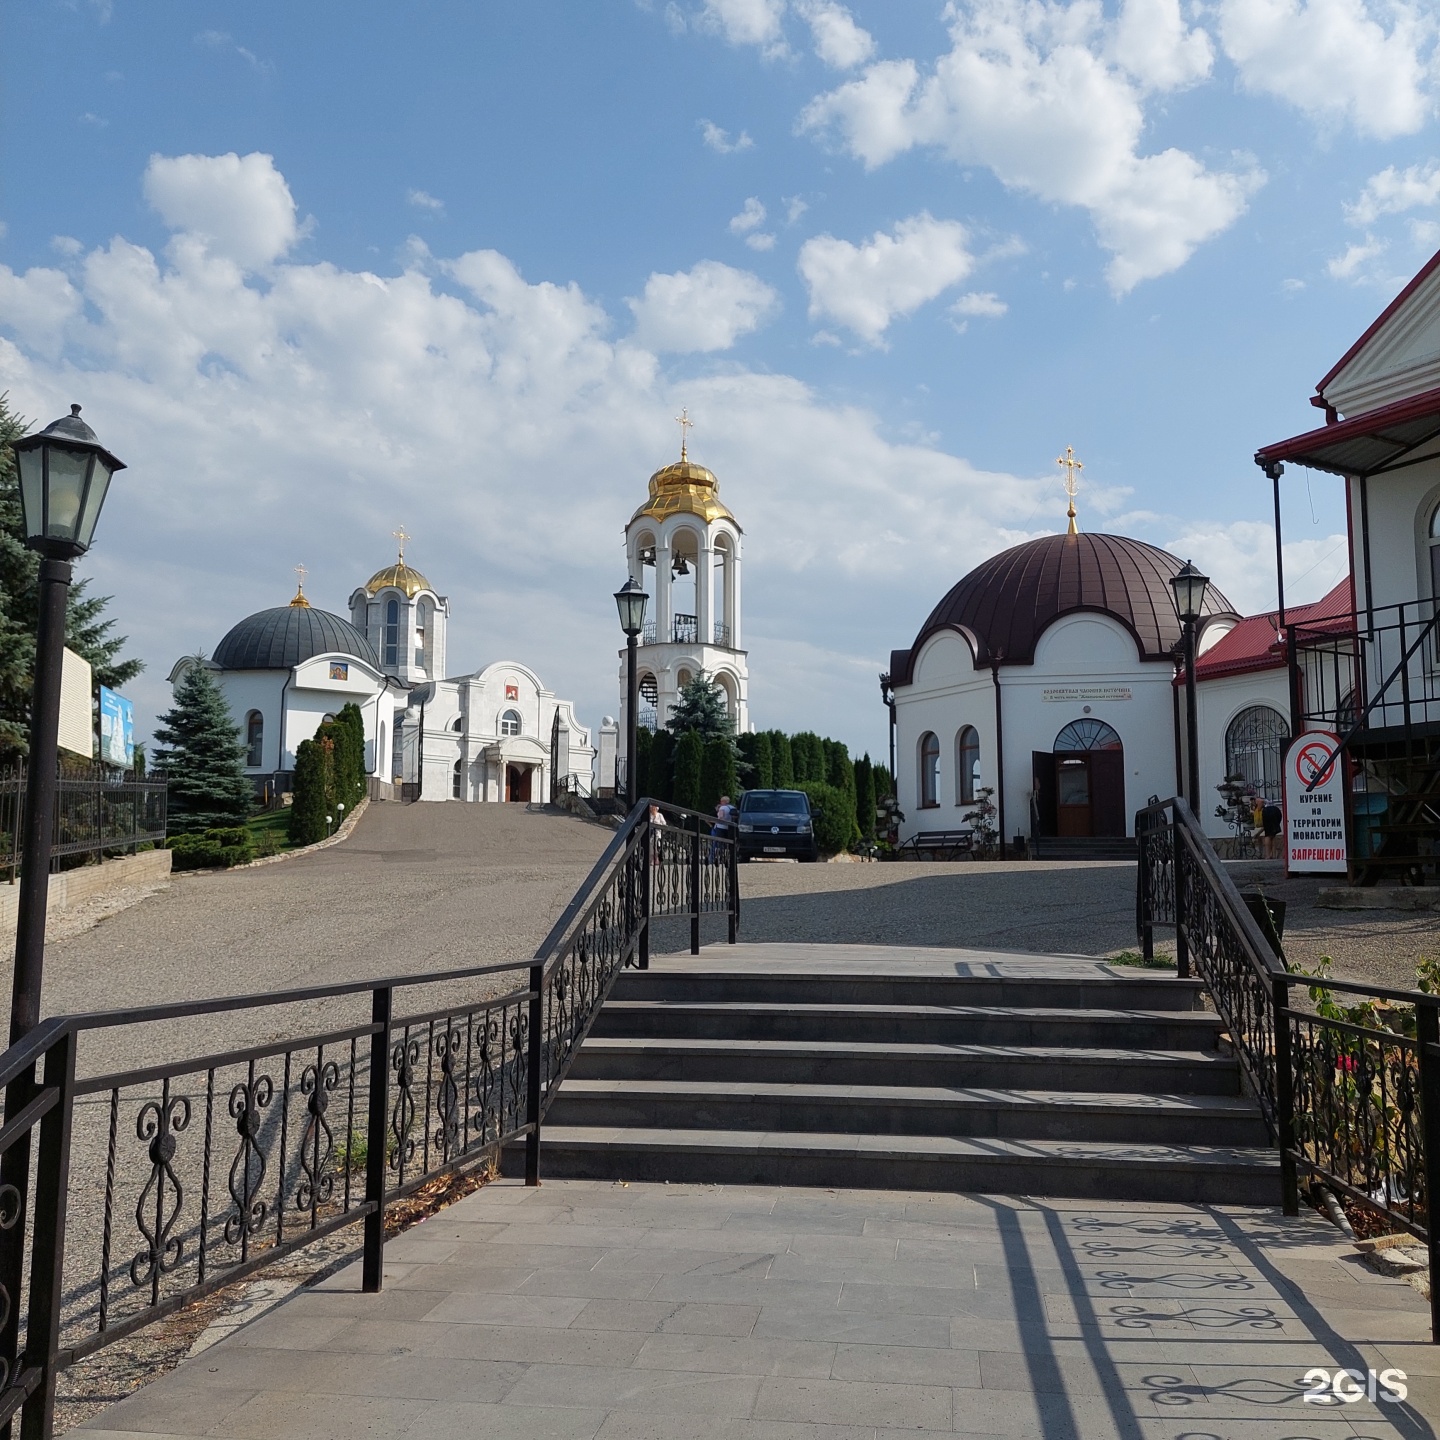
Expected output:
(664, 618)
(732, 595)
(705, 591)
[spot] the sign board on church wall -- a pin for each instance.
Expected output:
(1315, 818)
(1084, 694)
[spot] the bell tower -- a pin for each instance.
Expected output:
(683, 546)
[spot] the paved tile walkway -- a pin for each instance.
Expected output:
(671, 1312)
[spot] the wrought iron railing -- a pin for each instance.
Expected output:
(1377, 670)
(1346, 1075)
(97, 809)
(154, 1185)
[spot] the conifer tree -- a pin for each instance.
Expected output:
(782, 762)
(689, 758)
(701, 707)
(314, 760)
(865, 796)
(87, 631)
(203, 762)
(644, 743)
(660, 775)
(717, 774)
(764, 762)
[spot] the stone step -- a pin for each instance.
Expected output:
(1065, 990)
(908, 1110)
(1187, 1174)
(817, 1062)
(909, 1024)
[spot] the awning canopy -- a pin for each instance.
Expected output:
(1369, 444)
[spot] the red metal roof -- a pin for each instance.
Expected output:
(1255, 643)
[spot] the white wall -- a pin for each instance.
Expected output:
(1217, 703)
(1400, 507)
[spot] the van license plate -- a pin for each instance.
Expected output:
(774, 849)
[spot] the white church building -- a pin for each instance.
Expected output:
(1050, 674)
(496, 735)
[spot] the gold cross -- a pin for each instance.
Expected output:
(300, 573)
(402, 537)
(685, 423)
(1072, 482)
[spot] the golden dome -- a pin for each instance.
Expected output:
(400, 577)
(684, 488)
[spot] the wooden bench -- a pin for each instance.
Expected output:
(941, 844)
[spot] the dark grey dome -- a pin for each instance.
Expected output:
(281, 638)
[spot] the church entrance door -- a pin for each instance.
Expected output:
(1080, 785)
(517, 783)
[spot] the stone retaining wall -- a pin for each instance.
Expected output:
(69, 888)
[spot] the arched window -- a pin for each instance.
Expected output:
(459, 723)
(458, 784)
(1254, 746)
(254, 739)
(1435, 553)
(1087, 735)
(392, 632)
(967, 765)
(929, 770)
(422, 633)
(510, 723)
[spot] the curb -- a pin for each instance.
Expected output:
(343, 833)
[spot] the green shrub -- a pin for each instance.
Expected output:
(660, 773)
(689, 758)
(219, 848)
(782, 762)
(314, 769)
(865, 797)
(835, 822)
(717, 773)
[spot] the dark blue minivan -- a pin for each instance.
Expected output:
(776, 823)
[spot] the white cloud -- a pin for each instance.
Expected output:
(708, 307)
(864, 287)
(223, 40)
(980, 302)
(1393, 191)
(748, 22)
(795, 207)
(1240, 558)
(1336, 60)
(1039, 96)
(320, 401)
(751, 217)
(839, 41)
(237, 207)
(66, 245)
(422, 200)
(719, 140)
(1353, 263)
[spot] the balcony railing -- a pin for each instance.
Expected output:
(1377, 671)
(685, 630)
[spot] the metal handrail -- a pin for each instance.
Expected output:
(324, 1128)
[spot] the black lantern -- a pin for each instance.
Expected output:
(630, 601)
(64, 474)
(1189, 587)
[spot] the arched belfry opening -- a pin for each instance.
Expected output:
(683, 546)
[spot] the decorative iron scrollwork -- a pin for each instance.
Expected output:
(447, 1095)
(247, 1170)
(157, 1123)
(404, 1057)
(317, 1142)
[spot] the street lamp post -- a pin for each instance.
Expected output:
(64, 474)
(630, 601)
(1189, 587)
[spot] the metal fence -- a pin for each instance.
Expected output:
(154, 1185)
(1347, 1075)
(97, 809)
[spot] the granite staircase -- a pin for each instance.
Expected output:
(911, 1069)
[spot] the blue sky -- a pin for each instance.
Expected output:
(318, 270)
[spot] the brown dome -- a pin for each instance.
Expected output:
(1008, 601)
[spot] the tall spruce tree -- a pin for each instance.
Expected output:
(701, 707)
(203, 761)
(87, 631)
(689, 759)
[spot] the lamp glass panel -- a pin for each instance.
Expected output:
(32, 489)
(1190, 594)
(631, 605)
(99, 485)
(66, 489)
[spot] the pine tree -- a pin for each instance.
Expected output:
(689, 758)
(87, 631)
(203, 762)
(314, 760)
(717, 774)
(701, 707)
(660, 775)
